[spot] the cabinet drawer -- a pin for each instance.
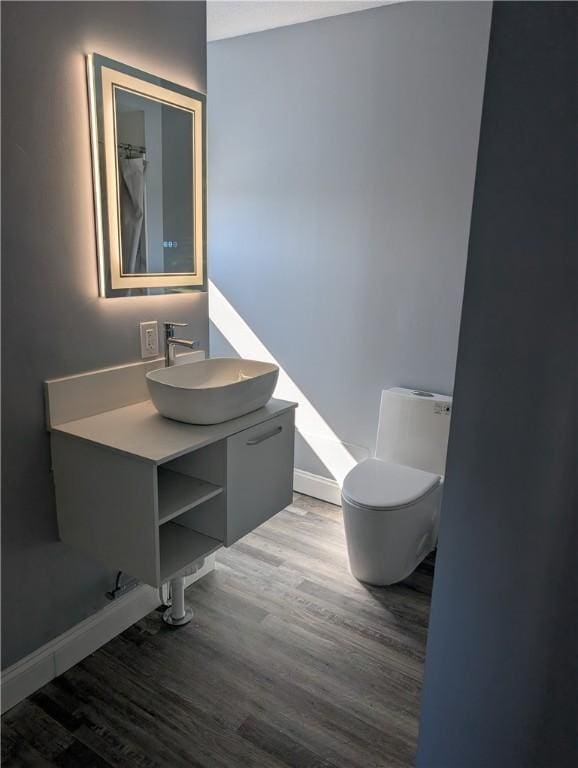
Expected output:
(259, 474)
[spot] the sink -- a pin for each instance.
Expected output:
(212, 391)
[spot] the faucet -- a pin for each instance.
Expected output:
(171, 342)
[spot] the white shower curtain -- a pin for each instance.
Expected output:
(132, 189)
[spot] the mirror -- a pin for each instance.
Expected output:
(149, 175)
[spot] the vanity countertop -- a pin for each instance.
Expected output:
(140, 431)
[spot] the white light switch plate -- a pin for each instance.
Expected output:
(149, 339)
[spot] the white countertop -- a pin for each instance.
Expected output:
(140, 431)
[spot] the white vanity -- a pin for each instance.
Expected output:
(149, 496)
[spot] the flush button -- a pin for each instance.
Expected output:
(419, 393)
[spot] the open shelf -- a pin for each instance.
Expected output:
(178, 493)
(180, 546)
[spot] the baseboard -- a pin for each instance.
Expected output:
(319, 487)
(49, 661)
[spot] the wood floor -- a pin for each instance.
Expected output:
(288, 662)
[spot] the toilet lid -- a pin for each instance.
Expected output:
(383, 485)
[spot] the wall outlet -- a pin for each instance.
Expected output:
(149, 339)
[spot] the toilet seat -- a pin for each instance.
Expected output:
(382, 485)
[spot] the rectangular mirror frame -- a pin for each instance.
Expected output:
(112, 281)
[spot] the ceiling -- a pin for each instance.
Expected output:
(230, 18)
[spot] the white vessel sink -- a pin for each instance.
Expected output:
(212, 391)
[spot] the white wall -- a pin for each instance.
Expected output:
(501, 674)
(341, 172)
(53, 322)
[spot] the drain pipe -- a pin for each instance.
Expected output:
(178, 614)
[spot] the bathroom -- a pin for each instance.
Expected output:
(387, 202)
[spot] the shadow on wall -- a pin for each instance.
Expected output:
(319, 439)
(339, 233)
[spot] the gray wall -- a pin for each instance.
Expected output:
(53, 322)
(341, 171)
(502, 665)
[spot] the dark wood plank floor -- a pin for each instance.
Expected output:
(289, 661)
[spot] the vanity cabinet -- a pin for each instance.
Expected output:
(258, 460)
(150, 496)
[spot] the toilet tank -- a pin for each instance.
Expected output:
(414, 428)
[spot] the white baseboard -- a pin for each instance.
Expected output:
(41, 666)
(319, 487)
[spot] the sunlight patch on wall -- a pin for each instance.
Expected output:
(311, 425)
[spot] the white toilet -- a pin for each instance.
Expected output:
(391, 503)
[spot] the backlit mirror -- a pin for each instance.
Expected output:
(149, 171)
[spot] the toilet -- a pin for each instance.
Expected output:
(391, 502)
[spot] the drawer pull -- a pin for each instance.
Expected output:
(266, 436)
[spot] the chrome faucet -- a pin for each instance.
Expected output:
(171, 342)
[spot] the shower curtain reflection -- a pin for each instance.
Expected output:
(132, 214)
